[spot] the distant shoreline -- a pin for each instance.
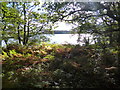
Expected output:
(57, 32)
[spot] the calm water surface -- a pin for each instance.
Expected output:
(68, 38)
(63, 38)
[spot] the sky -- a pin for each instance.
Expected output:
(63, 26)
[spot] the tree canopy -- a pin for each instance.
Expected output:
(22, 21)
(101, 18)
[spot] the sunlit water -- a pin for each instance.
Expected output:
(68, 38)
(63, 39)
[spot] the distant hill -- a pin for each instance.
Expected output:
(58, 32)
(61, 32)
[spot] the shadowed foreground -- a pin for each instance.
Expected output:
(59, 66)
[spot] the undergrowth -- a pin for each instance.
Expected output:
(58, 66)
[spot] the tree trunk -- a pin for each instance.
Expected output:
(118, 40)
(19, 39)
(24, 37)
(111, 38)
(28, 32)
(118, 73)
(3, 35)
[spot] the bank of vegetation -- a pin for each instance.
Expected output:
(59, 66)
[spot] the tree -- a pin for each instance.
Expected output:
(102, 19)
(9, 17)
(99, 18)
(21, 22)
(89, 17)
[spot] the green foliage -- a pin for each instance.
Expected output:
(4, 54)
(50, 57)
(12, 52)
(18, 22)
(59, 66)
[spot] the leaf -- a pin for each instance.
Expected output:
(5, 54)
